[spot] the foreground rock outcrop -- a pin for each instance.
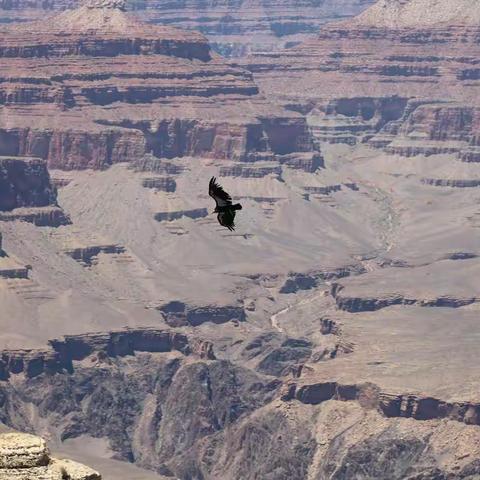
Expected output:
(26, 457)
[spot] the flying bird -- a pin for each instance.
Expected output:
(224, 208)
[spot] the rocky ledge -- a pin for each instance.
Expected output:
(180, 314)
(164, 184)
(391, 405)
(63, 353)
(27, 193)
(175, 215)
(26, 457)
(371, 304)
(307, 280)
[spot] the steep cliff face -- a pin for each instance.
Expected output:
(233, 28)
(63, 353)
(401, 75)
(108, 88)
(166, 405)
(214, 419)
(26, 192)
(25, 182)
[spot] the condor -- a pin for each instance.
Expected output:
(224, 207)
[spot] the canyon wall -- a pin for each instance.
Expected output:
(326, 336)
(393, 77)
(233, 28)
(108, 88)
(190, 417)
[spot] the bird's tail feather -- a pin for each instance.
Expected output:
(237, 206)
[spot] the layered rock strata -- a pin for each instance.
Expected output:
(233, 28)
(94, 86)
(73, 348)
(391, 405)
(396, 76)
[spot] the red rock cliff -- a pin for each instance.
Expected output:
(93, 86)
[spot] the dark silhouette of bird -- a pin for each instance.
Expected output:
(224, 208)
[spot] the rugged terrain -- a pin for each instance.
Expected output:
(333, 335)
(402, 76)
(234, 28)
(94, 86)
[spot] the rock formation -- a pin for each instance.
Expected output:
(400, 76)
(233, 28)
(25, 457)
(241, 27)
(26, 192)
(72, 348)
(108, 88)
(24, 182)
(214, 394)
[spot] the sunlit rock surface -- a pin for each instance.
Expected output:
(25, 457)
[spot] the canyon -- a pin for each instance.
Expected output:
(115, 99)
(233, 28)
(393, 77)
(334, 334)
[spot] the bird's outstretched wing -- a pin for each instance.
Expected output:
(221, 197)
(226, 219)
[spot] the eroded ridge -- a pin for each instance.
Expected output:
(62, 353)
